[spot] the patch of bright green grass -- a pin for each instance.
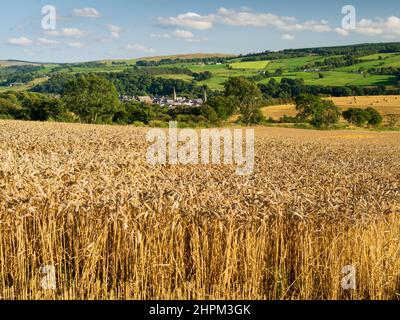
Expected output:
(257, 65)
(183, 77)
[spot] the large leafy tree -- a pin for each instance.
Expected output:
(356, 116)
(374, 117)
(93, 98)
(30, 106)
(361, 117)
(319, 112)
(247, 95)
(223, 106)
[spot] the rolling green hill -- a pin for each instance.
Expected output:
(358, 65)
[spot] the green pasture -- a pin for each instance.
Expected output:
(255, 65)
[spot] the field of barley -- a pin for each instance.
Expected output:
(83, 199)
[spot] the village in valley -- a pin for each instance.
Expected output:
(167, 101)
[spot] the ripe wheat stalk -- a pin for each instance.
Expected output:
(83, 198)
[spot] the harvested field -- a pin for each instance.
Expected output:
(384, 104)
(83, 199)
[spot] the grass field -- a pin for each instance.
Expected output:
(336, 78)
(255, 65)
(343, 76)
(183, 77)
(291, 68)
(378, 55)
(24, 87)
(220, 72)
(290, 64)
(384, 104)
(83, 199)
(234, 67)
(390, 60)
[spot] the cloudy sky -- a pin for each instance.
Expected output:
(112, 29)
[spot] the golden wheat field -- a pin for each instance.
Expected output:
(83, 199)
(384, 104)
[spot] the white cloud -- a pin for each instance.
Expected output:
(139, 47)
(288, 37)
(250, 19)
(178, 34)
(76, 44)
(45, 41)
(189, 20)
(183, 34)
(87, 13)
(67, 32)
(160, 35)
(72, 32)
(243, 18)
(22, 42)
(389, 27)
(342, 32)
(115, 31)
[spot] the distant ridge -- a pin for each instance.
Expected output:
(380, 47)
(189, 56)
(9, 63)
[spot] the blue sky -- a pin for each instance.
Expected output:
(116, 29)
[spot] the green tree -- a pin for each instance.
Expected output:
(41, 107)
(327, 115)
(318, 112)
(209, 113)
(9, 109)
(307, 105)
(374, 117)
(133, 112)
(356, 116)
(92, 98)
(278, 72)
(247, 95)
(223, 106)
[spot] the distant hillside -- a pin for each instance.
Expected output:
(189, 56)
(355, 50)
(9, 63)
(370, 68)
(168, 57)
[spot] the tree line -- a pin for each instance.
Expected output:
(156, 63)
(358, 50)
(93, 98)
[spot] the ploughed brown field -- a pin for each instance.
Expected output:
(384, 104)
(83, 199)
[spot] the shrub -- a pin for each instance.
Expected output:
(138, 124)
(320, 113)
(361, 117)
(158, 124)
(356, 116)
(375, 118)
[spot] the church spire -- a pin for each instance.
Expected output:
(175, 98)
